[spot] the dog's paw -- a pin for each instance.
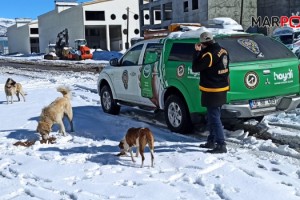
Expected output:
(50, 140)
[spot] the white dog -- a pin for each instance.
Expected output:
(11, 88)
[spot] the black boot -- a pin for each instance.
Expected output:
(220, 148)
(208, 145)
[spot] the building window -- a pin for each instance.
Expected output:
(34, 40)
(34, 31)
(136, 31)
(147, 16)
(124, 16)
(113, 16)
(136, 17)
(167, 9)
(195, 5)
(125, 31)
(93, 32)
(157, 15)
(185, 6)
(94, 16)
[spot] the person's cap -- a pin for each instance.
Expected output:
(206, 37)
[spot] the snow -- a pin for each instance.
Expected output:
(83, 165)
(4, 23)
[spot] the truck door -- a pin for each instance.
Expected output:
(150, 83)
(126, 77)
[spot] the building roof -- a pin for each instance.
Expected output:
(72, 1)
(94, 2)
(66, 2)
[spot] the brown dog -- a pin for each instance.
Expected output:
(54, 113)
(138, 137)
(11, 88)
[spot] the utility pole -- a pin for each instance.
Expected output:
(127, 34)
(241, 15)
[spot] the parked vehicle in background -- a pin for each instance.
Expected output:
(157, 74)
(51, 52)
(80, 52)
(288, 36)
(62, 50)
(224, 23)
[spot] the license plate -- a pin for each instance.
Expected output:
(262, 103)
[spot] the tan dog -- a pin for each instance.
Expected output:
(11, 88)
(138, 137)
(54, 113)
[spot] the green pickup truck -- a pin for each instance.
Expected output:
(157, 74)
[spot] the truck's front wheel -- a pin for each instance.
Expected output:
(177, 115)
(108, 103)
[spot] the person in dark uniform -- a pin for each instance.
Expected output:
(212, 61)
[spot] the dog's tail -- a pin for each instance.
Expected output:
(66, 91)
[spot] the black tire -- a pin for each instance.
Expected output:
(177, 116)
(108, 104)
(77, 57)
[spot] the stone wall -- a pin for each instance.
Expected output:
(277, 8)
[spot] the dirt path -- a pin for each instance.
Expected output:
(50, 65)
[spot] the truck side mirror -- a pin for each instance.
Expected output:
(151, 57)
(114, 62)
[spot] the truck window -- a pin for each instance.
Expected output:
(153, 47)
(268, 48)
(182, 52)
(132, 56)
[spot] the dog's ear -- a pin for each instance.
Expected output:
(13, 82)
(7, 81)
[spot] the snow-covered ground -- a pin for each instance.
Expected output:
(83, 165)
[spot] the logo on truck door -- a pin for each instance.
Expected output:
(147, 71)
(180, 71)
(125, 79)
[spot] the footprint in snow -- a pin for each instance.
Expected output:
(279, 171)
(92, 174)
(275, 162)
(261, 166)
(126, 183)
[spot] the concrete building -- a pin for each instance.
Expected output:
(23, 36)
(269, 8)
(103, 23)
(160, 13)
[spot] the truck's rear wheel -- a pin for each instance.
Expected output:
(108, 103)
(177, 115)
